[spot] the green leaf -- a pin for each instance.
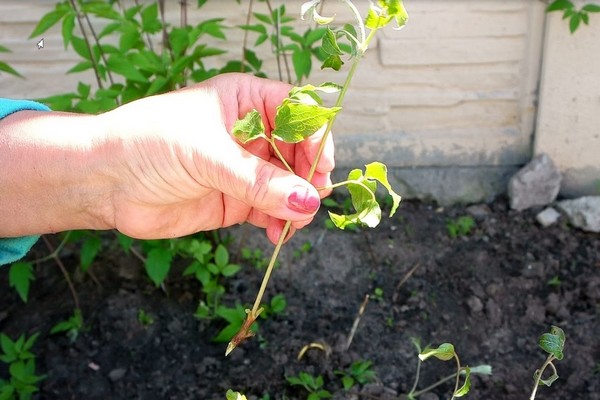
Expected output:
(89, 251)
(559, 5)
(231, 395)
(221, 256)
(301, 59)
(278, 304)
(347, 382)
(553, 342)
(378, 171)
(330, 45)
(594, 8)
(574, 22)
(230, 270)
(83, 90)
(20, 277)
(82, 66)
(68, 25)
(150, 22)
(4, 49)
(48, 21)
(130, 37)
(80, 47)
(294, 122)
(249, 128)
(8, 69)
(375, 20)
(464, 389)
(124, 67)
(125, 241)
(334, 62)
(178, 39)
(158, 264)
(444, 352)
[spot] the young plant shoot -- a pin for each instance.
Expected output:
(303, 113)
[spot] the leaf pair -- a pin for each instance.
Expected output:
(298, 117)
(362, 190)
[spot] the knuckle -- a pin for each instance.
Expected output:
(259, 191)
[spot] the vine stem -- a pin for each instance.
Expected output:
(457, 376)
(286, 228)
(539, 376)
(88, 44)
(56, 258)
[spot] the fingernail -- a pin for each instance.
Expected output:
(303, 201)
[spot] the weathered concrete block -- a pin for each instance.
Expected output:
(536, 184)
(583, 212)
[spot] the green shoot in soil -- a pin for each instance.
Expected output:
(23, 382)
(302, 114)
(446, 352)
(360, 372)
(313, 385)
(460, 227)
(552, 343)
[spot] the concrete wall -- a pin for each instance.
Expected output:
(449, 102)
(569, 117)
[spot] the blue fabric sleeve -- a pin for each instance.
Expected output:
(13, 249)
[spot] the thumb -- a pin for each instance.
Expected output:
(265, 186)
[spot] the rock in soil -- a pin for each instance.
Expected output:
(536, 184)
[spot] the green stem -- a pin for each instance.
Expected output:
(412, 392)
(279, 155)
(457, 376)
(265, 281)
(539, 376)
(433, 385)
(288, 224)
(338, 103)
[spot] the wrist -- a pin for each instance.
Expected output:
(54, 171)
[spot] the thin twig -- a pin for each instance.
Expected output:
(88, 44)
(245, 41)
(64, 271)
(165, 35)
(404, 279)
(361, 311)
(97, 41)
(279, 46)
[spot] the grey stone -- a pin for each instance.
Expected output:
(583, 212)
(536, 184)
(117, 374)
(479, 211)
(475, 304)
(547, 217)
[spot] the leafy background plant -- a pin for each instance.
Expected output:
(575, 15)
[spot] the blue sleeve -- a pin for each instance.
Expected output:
(13, 249)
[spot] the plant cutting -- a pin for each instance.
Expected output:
(303, 113)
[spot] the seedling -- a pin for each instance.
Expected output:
(231, 395)
(445, 352)
(302, 114)
(71, 327)
(461, 226)
(360, 372)
(17, 354)
(552, 343)
(555, 281)
(377, 294)
(313, 385)
(144, 318)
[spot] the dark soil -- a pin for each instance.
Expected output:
(488, 293)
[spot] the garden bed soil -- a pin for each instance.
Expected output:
(491, 293)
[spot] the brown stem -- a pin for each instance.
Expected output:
(88, 44)
(60, 264)
(245, 42)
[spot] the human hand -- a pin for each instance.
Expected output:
(177, 170)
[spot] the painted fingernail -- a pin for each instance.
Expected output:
(303, 201)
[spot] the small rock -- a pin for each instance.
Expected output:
(479, 211)
(583, 212)
(536, 184)
(475, 304)
(547, 217)
(117, 374)
(534, 269)
(494, 313)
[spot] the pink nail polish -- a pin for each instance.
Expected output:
(302, 201)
